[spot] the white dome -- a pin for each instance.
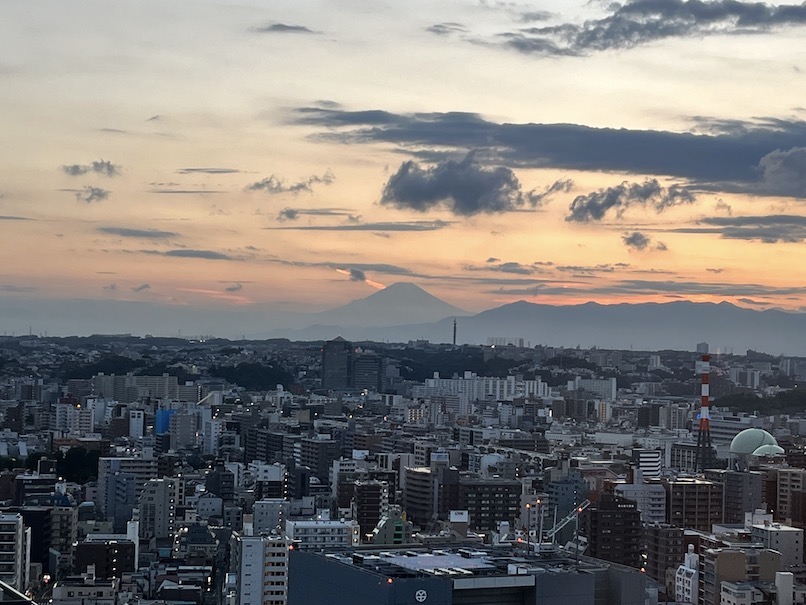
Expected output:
(749, 440)
(769, 450)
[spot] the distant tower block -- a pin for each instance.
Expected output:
(703, 348)
(704, 450)
(454, 331)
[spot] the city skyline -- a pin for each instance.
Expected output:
(215, 158)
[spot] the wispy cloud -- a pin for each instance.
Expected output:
(101, 167)
(89, 194)
(292, 214)
(141, 288)
(137, 233)
(375, 227)
(203, 254)
(283, 28)
(185, 191)
(207, 171)
(275, 185)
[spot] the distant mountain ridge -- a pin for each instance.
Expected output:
(643, 326)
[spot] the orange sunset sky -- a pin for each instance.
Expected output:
(223, 157)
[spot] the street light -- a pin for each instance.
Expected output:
(528, 527)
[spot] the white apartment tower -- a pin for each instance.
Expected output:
(13, 552)
(262, 570)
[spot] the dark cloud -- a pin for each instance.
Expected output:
(594, 206)
(661, 247)
(283, 28)
(91, 194)
(141, 288)
(141, 233)
(236, 287)
(636, 240)
(767, 229)
(275, 185)
(401, 226)
(492, 259)
(642, 22)
(714, 270)
(750, 301)
(538, 198)
(725, 158)
(465, 187)
(357, 275)
(288, 214)
(111, 288)
(723, 206)
(101, 167)
(783, 172)
(208, 171)
(445, 29)
(154, 118)
(8, 217)
(205, 254)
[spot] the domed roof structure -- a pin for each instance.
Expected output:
(769, 450)
(749, 440)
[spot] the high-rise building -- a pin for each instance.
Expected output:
(650, 498)
(157, 506)
(13, 556)
(613, 529)
(664, 550)
(693, 503)
(141, 468)
(367, 372)
(742, 492)
(719, 565)
(337, 364)
(370, 501)
(111, 558)
(490, 501)
(261, 568)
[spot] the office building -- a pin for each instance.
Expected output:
(490, 501)
(337, 364)
(613, 529)
(460, 577)
(785, 539)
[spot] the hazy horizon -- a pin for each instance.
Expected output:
(214, 160)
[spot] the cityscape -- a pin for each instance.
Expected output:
(368, 302)
(161, 470)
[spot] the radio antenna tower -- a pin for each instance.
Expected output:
(704, 450)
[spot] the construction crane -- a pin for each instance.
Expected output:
(552, 533)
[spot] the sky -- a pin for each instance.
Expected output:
(205, 165)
